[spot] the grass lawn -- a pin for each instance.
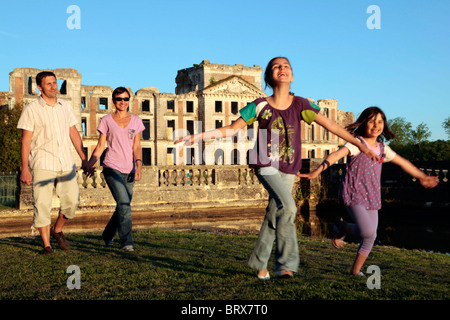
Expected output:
(206, 265)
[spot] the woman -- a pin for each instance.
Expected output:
(121, 165)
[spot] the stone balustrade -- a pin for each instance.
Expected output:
(209, 186)
(170, 187)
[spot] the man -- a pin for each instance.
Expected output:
(48, 125)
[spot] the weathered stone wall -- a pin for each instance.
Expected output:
(171, 187)
(206, 73)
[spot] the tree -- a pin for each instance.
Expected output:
(446, 125)
(413, 144)
(438, 150)
(10, 138)
(405, 134)
(402, 130)
(421, 134)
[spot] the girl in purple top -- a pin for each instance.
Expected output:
(361, 191)
(276, 158)
(121, 131)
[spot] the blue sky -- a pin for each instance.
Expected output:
(403, 67)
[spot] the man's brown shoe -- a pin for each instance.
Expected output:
(62, 242)
(47, 250)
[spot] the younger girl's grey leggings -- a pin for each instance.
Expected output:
(366, 224)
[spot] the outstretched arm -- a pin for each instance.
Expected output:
(214, 134)
(331, 159)
(344, 134)
(425, 180)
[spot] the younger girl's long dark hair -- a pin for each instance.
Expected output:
(358, 127)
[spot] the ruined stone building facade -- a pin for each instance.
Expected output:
(207, 96)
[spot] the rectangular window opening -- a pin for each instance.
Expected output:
(83, 103)
(103, 104)
(83, 126)
(146, 156)
(171, 105)
(170, 129)
(234, 107)
(146, 132)
(189, 106)
(146, 105)
(218, 108)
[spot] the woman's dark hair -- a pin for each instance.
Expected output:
(120, 90)
(42, 75)
(268, 72)
(359, 126)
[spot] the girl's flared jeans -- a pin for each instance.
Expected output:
(121, 186)
(278, 225)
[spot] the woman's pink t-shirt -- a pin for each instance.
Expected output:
(119, 155)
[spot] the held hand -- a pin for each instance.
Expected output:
(370, 154)
(137, 174)
(26, 177)
(84, 165)
(88, 169)
(429, 181)
(90, 172)
(309, 176)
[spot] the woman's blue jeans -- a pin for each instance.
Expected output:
(121, 186)
(278, 225)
